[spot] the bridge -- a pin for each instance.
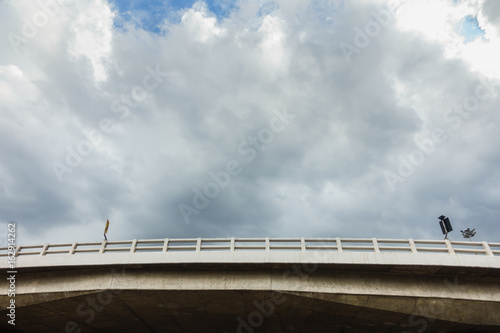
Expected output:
(253, 285)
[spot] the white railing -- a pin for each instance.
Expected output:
(261, 244)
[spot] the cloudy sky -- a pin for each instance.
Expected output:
(249, 118)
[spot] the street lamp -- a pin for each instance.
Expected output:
(468, 233)
(445, 225)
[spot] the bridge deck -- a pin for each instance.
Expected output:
(256, 285)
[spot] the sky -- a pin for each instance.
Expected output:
(249, 118)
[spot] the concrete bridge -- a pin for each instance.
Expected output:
(253, 285)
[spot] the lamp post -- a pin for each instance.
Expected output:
(445, 225)
(468, 233)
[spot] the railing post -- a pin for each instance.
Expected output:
(413, 248)
(103, 246)
(268, 247)
(375, 245)
(449, 246)
(18, 250)
(165, 245)
(302, 243)
(231, 247)
(487, 249)
(44, 249)
(133, 246)
(339, 244)
(73, 248)
(198, 245)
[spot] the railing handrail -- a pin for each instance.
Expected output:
(263, 244)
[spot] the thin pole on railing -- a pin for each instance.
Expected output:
(339, 244)
(413, 248)
(165, 245)
(73, 248)
(103, 246)
(302, 243)
(231, 247)
(44, 249)
(449, 246)
(375, 245)
(133, 246)
(198, 245)
(487, 249)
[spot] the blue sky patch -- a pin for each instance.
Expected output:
(150, 14)
(469, 28)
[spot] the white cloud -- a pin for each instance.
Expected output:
(92, 28)
(439, 21)
(273, 48)
(199, 24)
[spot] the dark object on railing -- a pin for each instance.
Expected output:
(468, 233)
(445, 225)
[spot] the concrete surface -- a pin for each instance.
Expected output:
(282, 291)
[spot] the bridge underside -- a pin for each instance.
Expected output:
(264, 299)
(223, 311)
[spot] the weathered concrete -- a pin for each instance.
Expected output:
(258, 257)
(269, 292)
